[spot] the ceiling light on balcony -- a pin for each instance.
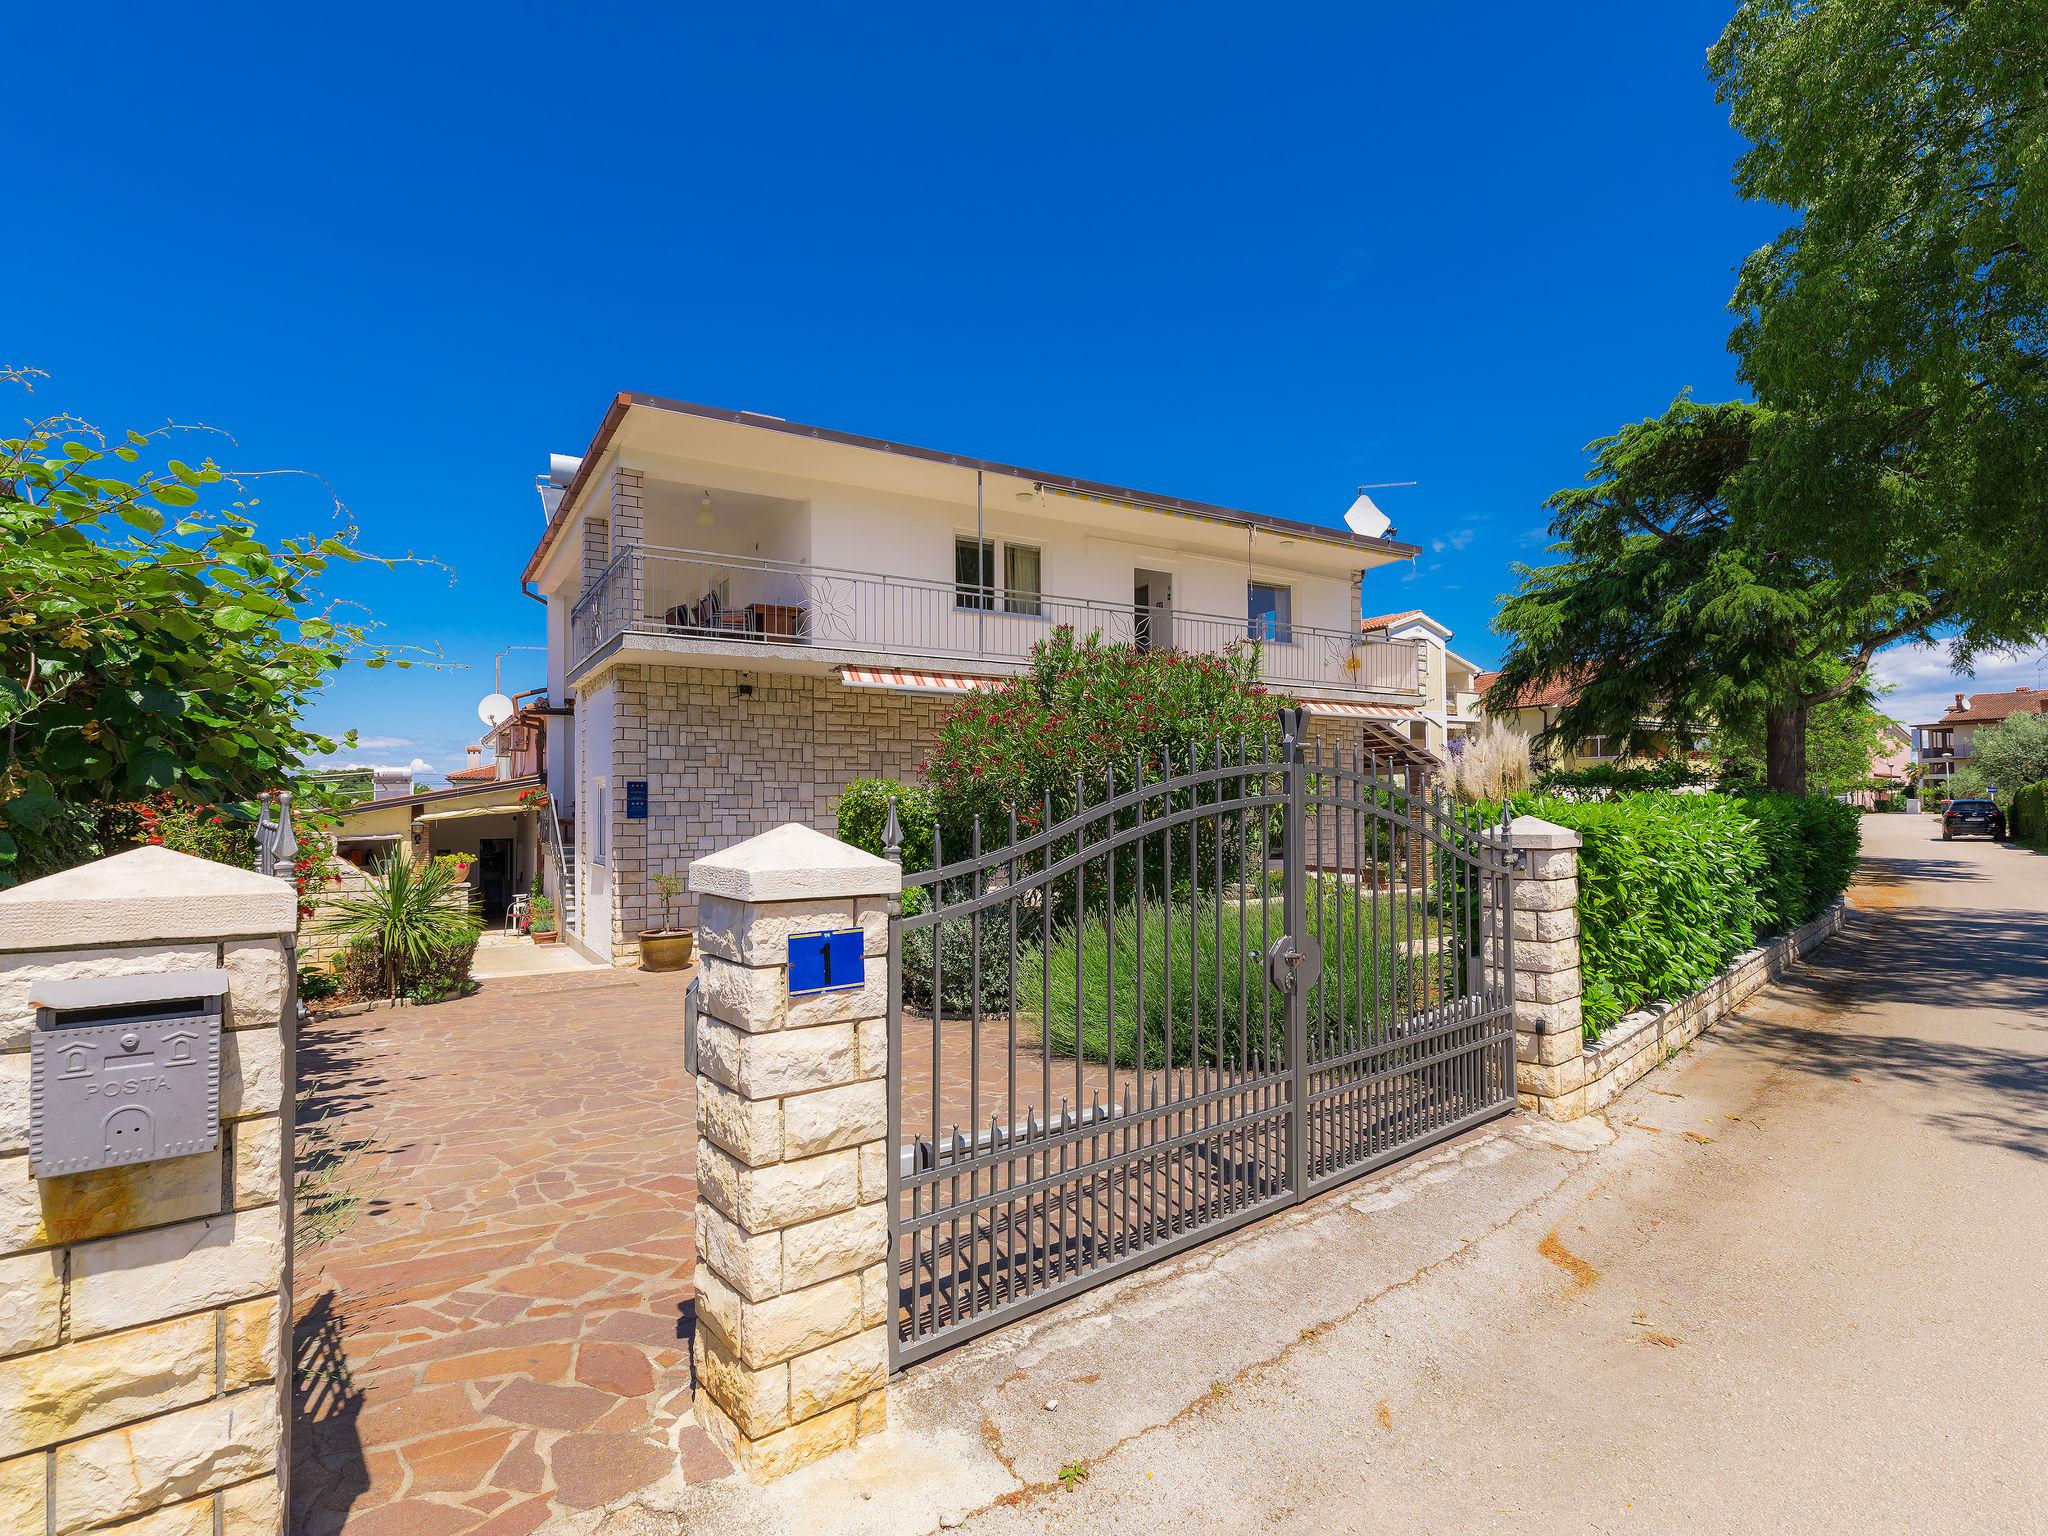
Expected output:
(704, 517)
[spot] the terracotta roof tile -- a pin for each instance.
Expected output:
(479, 775)
(1987, 708)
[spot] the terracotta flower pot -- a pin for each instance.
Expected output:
(547, 937)
(667, 949)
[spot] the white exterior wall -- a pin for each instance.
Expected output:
(853, 528)
(594, 722)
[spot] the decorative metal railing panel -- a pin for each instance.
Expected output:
(1139, 1013)
(741, 601)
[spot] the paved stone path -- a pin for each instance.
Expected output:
(502, 1334)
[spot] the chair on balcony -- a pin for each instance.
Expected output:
(710, 616)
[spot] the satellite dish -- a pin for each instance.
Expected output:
(1366, 519)
(495, 709)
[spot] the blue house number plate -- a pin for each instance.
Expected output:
(827, 962)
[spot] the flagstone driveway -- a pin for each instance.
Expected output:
(501, 1334)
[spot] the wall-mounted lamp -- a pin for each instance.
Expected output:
(704, 517)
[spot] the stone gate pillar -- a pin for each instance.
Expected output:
(145, 1306)
(1549, 1024)
(794, 1294)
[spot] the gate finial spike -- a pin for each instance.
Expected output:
(892, 836)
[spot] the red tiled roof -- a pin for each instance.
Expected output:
(1553, 695)
(479, 775)
(1987, 708)
(1382, 620)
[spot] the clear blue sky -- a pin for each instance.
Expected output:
(1254, 256)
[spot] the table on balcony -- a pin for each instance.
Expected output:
(777, 621)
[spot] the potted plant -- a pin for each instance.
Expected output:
(541, 924)
(667, 948)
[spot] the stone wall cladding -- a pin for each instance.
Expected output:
(791, 1349)
(142, 1308)
(721, 767)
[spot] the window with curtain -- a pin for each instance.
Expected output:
(1021, 592)
(1271, 612)
(974, 573)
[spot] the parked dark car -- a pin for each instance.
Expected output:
(1962, 817)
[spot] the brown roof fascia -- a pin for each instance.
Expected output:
(441, 794)
(625, 400)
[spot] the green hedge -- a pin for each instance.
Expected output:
(1672, 886)
(2029, 816)
(863, 811)
(1810, 844)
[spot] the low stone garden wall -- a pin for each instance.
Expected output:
(1640, 1040)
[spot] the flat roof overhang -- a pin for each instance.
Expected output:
(1370, 551)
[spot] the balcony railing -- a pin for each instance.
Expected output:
(745, 602)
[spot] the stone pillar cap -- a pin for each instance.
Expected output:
(793, 862)
(1534, 832)
(145, 896)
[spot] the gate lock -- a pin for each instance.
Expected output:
(1295, 963)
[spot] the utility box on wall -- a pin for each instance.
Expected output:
(124, 1069)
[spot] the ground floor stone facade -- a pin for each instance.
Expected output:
(727, 754)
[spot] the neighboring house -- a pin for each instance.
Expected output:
(1451, 702)
(1944, 744)
(1536, 709)
(744, 614)
(496, 822)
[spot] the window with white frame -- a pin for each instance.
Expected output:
(1600, 747)
(974, 576)
(1021, 591)
(600, 821)
(1269, 612)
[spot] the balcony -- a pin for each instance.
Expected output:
(725, 605)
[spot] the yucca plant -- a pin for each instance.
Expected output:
(408, 912)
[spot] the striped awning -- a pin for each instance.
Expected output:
(1356, 711)
(904, 680)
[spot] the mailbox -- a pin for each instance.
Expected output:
(124, 1069)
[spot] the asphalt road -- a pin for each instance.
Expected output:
(1794, 1281)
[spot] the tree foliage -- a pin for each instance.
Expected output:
(151, 643)
(1845, 737)
(2005, 758)
(1898, 328)
(1673, 613)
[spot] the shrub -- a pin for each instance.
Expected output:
(360, 972)
(2029, 818)
(316, 985)
(956, 943)
(1810, 844)
(863, 812)
(1605, 781)
(1218, 1002)
(1086, 709)
(410, 921)
(1671, 886)
(1667, 894)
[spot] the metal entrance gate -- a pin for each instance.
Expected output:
(1186, 996)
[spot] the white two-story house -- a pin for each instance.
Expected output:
(744, 614)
